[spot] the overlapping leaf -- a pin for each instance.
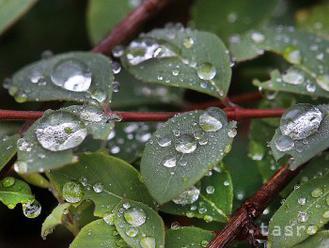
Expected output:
(183, 150)
(74, 76)
(105, 180)
(7, 149)
(180, 57)
(52, 140)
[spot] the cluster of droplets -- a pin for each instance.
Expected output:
(297, 125)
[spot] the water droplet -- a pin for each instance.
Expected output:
(186, 144)
(317, 192)
(164, 141)
(206, 71)
(293, 77)
(116, 86)
(323, 82)
(208, 218)
(32, 210)
(8, 182)
(98, 187)
(188, 42)
(311, 230)
(109, 219)
(302, 217)
(36, 77)
(20, 167)
(188, 197)
(293, 55)
(117, 51)
(72, 192)
(71, 74)
(147, 242)
(232, 133)
(210, 189)
(310, 88)
(116, 67)
(326, 214)
(60, 131)
(284, 143)
(301, 121)
(204, 243)
(132, 232)
(257, 37)
(302, 201)
(209, 123)
(169, 162)
(135, 216)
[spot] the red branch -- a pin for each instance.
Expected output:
(130, 25)
(253, 207)
(232, 114)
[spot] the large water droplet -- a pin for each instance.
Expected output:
(59, 132)
(311, 230)
(317, 192)
(132, 232)
(147, 242)
(169, 162)
(206, 71)
(210, 121)
(293, 77)
(186, 144)
(72, 192)
(164, 141)
(71, 74)
(301, 121)
(188, 197)
(257, 37)
(293, 55)
(284, 143)
(135, 216)
(32, 209)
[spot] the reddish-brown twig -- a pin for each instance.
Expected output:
(130, 25)
(253, 207)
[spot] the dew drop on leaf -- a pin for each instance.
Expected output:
(169, 162)
(72, 75)
(32, 210)
(186, 144)
(293, 77)
(147, 242)
(72, 192)
(8, 182)
(132, 232)
(317, 192)
(188, 197)
(257, 37)
(311, 230)
(135, 216)
(210, 189)
(164, 141)
(209, 123)
(292, 55)
(98, 187)
(206, 71)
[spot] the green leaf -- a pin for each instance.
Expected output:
(7, 149)
(302, 214)
(54, 219)
(13, 10)
(215, 200)
(74, 76)
(36, 179)
(300, 135)
(139, 225)
(52, 141)
(230, 18)
(319, 240)
(305, 50)
(188, 237)
(106, 179)
(314, 19)
(134, 93)
(294, 80)
(183, 150)
(97, 234)
(180, 57)
(14, 191)
(103, 15)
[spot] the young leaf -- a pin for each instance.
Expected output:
(319, 240)
(180, 57)
(139, 225)
(7, 149)
(12, 10)
(104, 179)
(214, 199)
(97, 234)
(54, 219)
(52, 140)
(303, 133)
(302, 214)
(103, 15)
(188, 237)
(233, 17)
(74, 76)
(14, 191)
(294, 80)
(183, 150)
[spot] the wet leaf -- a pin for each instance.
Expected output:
(103, 15)
(303, 214)
(139, 225)
(104, 179)
(319, 240)
(14, 191)
(230, 18)
(54, 219)
(13, 10)
(7, 149)
(214, 202)
(183, 150)
(188, 236)
(300, 135)
(52, 141)
(97, 234)
(180, 57)
(74, 76)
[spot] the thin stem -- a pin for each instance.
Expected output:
(253, 207)
(131, 25)
(232, 113)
